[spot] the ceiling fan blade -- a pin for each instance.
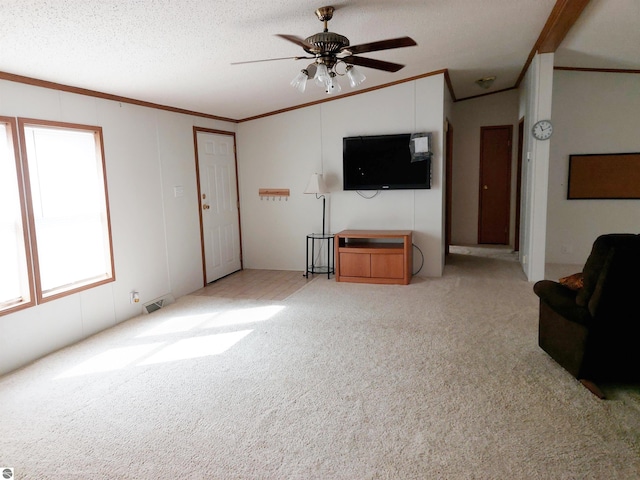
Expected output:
(270, 60)
(298, 41)
(381, 45)
(372, 63)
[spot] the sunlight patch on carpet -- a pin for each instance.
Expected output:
(181, 323)
(118, 358)
(174, 350)
(184, 323)
(113, 359)
(240, 316)
(197, 347)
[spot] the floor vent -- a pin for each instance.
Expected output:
(153, 306)
(157, 304)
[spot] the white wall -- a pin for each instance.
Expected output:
(156, 237)
(468, 117)
(282, 151)
(535, 104)
(592, 113)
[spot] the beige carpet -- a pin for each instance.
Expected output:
(440, 379)
(257, 285)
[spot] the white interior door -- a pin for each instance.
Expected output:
(218, 204)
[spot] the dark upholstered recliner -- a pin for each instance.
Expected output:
(594, 332)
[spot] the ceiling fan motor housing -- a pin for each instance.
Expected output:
(326, 42)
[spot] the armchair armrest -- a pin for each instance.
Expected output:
(562, 300)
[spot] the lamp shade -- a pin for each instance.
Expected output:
(355, 76)
(322, 75)
(300, 82)
(316, 184)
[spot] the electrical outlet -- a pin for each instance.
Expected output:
(134, 297)
(524, 259)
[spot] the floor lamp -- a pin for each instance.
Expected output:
(316, 185)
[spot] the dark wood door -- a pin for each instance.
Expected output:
(495, 184)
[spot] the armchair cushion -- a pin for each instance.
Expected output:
(574, 282)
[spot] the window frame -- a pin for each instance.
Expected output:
(12, 140)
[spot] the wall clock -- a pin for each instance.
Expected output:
(542, 130)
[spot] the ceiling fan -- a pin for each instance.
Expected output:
(330, 49)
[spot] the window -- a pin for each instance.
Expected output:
(61, 180)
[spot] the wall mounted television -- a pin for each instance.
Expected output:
(385, 162)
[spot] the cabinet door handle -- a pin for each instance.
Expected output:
(205, 207)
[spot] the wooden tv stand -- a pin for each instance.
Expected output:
(374, 256)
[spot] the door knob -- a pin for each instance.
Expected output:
(205, 207)
(485, 187)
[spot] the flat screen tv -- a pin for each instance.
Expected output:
(384, 162)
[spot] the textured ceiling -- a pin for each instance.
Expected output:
(179, 52)
(607, 35)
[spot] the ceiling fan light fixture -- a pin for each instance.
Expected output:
(332, 85)
(485, 82)
(355, 76)
(322, 77)
(300, 81)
